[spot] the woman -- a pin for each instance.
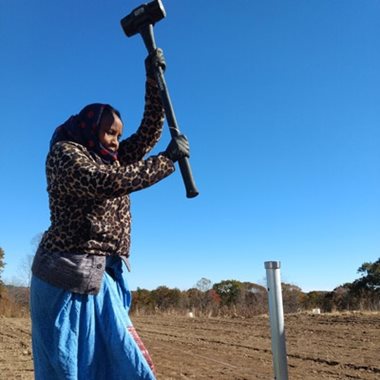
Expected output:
(79, 293)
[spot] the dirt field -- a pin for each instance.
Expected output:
(330, 346)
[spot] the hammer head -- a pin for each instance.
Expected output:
(143, 15)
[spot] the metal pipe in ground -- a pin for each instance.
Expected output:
(276, 314)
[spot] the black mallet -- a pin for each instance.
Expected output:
(141, 20)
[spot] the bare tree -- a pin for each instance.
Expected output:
(204, 284)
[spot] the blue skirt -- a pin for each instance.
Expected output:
(87, 337)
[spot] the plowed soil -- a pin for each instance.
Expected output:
(325, 346)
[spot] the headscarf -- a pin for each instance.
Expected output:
(83, 129)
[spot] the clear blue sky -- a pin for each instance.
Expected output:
(280, 102)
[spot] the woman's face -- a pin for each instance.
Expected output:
(111, 129)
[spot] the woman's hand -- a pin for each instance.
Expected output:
(178, 148)
(153, 61)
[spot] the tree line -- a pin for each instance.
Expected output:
(245, 299)
(228, 298)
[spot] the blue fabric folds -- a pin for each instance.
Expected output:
(86, 337)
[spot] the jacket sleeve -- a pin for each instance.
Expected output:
(72, 171)
(135, 147)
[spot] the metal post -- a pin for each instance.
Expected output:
(276, 313)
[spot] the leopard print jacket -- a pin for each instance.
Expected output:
(89, 200)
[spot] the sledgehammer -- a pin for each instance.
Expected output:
(141, 20)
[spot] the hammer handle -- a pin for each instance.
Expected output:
(184, 163)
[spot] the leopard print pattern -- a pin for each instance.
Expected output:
(89, 200)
